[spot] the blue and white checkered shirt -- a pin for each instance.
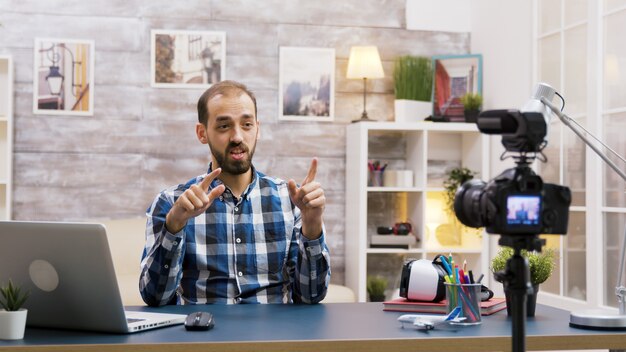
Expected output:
(246, 250)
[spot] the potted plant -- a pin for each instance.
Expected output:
(413, 86)
(472, 103)
(540, 264)
(376, 286)
(455, 178)
(12, 315)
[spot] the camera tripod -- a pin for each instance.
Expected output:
(516, 280)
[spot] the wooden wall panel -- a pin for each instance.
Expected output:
(142, 140)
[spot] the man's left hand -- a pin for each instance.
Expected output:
(310, 199)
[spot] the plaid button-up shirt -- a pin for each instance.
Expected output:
(245, 250)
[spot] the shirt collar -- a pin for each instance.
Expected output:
(216, 182)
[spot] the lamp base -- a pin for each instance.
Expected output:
(597, 320)
(364, 118)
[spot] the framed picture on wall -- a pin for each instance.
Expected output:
(63, 77)
(455, 76)
(187, 59)
(306, 84)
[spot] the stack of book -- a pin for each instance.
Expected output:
(403, 305)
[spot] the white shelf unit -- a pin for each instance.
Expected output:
(6, 135)
(428, 149)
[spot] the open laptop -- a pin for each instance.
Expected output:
(67, 268)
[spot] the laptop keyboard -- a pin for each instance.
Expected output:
(132, 320)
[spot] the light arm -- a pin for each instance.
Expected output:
(620, 290)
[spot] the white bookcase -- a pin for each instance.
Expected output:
(427, 149)
(6, 135)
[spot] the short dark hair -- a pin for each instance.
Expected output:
(225, 88)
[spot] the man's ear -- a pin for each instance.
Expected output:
(201, 133)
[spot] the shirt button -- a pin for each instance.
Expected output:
(236, 209)
(175, 243)
(238, 240)
(166, 266)
(240, 273)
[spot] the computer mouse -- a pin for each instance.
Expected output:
(198, 321)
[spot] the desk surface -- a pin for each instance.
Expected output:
(323, 327)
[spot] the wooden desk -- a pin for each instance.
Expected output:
(324, 327)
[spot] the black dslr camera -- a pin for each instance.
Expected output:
(516, 202)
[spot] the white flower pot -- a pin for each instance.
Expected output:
(412, 110)
(12, 324)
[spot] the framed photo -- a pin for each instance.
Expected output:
(454, 77)
(306, 84)
(63, 77)
(187, 59)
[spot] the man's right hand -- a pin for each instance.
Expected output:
(193, 202)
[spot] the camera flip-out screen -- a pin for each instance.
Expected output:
(523, 210)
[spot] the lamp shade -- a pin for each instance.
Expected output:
(364, 62)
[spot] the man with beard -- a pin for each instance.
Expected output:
(235, 235)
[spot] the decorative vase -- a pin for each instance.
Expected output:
(531, 302)
(12, 324)
(412, 110)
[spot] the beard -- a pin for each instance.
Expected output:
(233, 167)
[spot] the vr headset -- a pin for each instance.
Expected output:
(423, 280)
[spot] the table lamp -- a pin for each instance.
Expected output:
(596, 319)
(364, 63)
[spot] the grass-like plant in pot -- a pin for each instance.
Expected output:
(12, 316)
(540, 265)
(376, 286)
(472, 102)
(413, 86)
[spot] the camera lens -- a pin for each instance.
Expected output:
(467, 203)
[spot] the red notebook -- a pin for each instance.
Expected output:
(403, 305)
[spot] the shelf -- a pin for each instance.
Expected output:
(428, 150)
(394, 189)
(394, 251)
(3, 118)
(455, 250)
(420, 126)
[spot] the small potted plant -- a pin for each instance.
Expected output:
(376, 286)
(12, 315)
(472, 103)
(540, 264)
(413, 86)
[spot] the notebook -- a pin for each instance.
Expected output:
(67, 268)
(403, 305)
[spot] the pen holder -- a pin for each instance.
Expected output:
(376, 178)
(466, 296)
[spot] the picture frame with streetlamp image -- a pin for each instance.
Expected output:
(63, 77)
(306, 84)
(187, 59)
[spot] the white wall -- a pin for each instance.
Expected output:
(502, 33)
